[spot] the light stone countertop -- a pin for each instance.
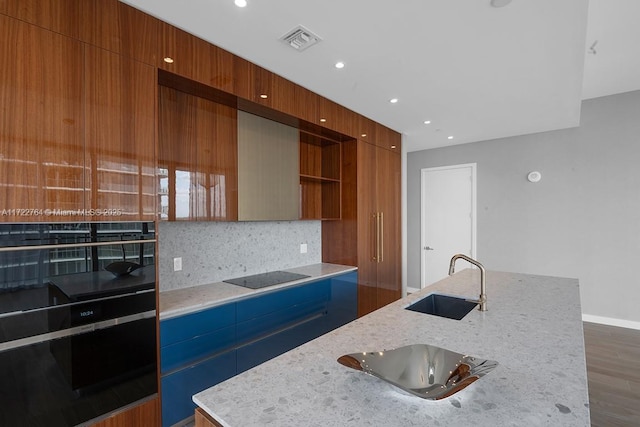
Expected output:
(533, 328)
(187, 300)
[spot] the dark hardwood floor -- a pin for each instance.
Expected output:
(613, 371)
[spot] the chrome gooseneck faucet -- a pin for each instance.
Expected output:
(483, 291)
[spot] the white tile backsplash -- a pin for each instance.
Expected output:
(214, 251)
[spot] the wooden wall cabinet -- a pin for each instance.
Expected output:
(197, 158)
(110, 24)
(197, 59)
(369, 233)
(120, 143)
(78, 130)
(41, 140)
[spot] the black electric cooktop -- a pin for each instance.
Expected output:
(263, 280)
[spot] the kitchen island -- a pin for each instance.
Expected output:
(532, 328)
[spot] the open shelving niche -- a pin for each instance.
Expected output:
(320, 177)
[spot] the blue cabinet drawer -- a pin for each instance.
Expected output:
(275, 321)
(178, 387)
(264, 304)
(182, 353)
(267, 348)
(192, 325)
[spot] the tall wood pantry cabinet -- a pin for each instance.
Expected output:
(369, 233)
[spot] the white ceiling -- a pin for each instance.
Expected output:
(476, 71)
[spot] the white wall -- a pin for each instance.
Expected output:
(581, 220)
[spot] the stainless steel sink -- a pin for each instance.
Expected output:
(426, 371)
(443, 306)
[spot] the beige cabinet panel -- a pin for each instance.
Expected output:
(268, 171)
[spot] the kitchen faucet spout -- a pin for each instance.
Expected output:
(482, 301)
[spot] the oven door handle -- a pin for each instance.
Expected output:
(76, 330)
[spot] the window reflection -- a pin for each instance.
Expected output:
(196, 195)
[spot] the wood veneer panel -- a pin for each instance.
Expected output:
(41, 147)
(198, 148)
(337, 118)
(146, 414)
(305, 104)
(120, 28)
(202, 419)
(109, 24)
(310, 155)
(216, 141)
(388, 204)
(387, 138)
(279, 91)
(196, 59)
(366, 129)
(60, 16)
(120, 137)
(366, 196)
(340, 238)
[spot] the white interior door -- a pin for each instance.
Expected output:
(448, 218)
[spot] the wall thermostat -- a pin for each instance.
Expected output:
(534, 176)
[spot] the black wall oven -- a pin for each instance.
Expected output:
(77, 321)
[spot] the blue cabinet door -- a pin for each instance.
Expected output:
(175, 356)
(259, 351)
(191, 325)
(180, 386)
(343, 303)
(201, 349)
(264, 304)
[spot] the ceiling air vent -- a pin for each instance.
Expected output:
(300, 38)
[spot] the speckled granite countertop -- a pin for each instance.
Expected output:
(183, 301)
(533, 328)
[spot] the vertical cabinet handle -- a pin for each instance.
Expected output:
(374, 237)
(381, 236)
(377, 219)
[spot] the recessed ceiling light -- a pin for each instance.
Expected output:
(339, 65)
(450, 137)
(427, 122)
(364, 135)
(240, 3)
(393, 147)
(323, 120)
(264, 96)
(168, 60)
(393, 100)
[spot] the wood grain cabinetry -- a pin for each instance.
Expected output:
(386, 138)
(320, 175)
(197, 158)
(109, 24)
(202, 419)
(78, 130)
(368, 235)
(197, 59)
(146, 414)
(41, 139)
(387, 191)
(120, 98)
